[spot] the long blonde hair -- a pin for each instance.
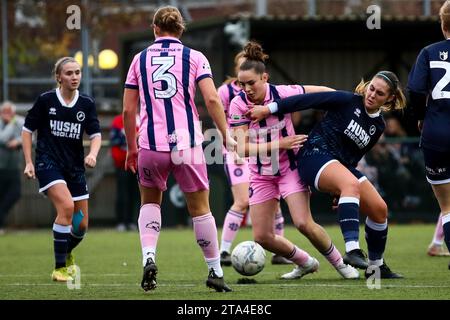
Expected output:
(399, 101)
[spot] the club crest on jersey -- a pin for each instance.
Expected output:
(80, 116)
(357, 112)
(172, 138)
(206, 66)
(52, 111)
(443, 55)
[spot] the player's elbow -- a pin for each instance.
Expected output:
(127, 112)
(212, 101)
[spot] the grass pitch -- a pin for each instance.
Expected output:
(111, 269)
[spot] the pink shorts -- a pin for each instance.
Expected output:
(188, 167)
(264, 188)
(236, 173)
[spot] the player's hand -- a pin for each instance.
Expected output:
(292, 142)
(90, 161)
(237, 159)
(131, 161)
(230, 143)
(29, 171)
(258, 113)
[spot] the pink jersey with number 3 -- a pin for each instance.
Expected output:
(166, 74)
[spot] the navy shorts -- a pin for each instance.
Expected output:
(437, 166)
(50, 174)
(311, 166)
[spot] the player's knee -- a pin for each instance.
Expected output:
(198, 209)
(380, 212)
(351, 187)
(67, 208)
(304, 226)
(240, 205)
(383, 211)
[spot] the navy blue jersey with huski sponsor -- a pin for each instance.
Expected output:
(430, 76)
(60, 129)
(346, 132)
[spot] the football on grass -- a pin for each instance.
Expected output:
(248, 258)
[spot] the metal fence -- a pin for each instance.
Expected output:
(394, 166)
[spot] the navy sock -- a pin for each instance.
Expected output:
(348, 212)
(74, 240)
(376, 237)
(60, 243)
(446, 226)
(76, 234)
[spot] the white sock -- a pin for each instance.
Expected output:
(378, 262)
(148, 252)
(215, 265)
(309, 262)
(351, 245)
(225, 246)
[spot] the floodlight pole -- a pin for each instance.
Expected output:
(5, 48)
(261, 8)
(312, 8)
(426, 8)
(87, 84)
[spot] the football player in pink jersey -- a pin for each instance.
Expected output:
(238, 175)
(272, 146)
(163, 79)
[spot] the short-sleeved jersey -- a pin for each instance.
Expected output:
(60, 128)
(346, 132)
(227, 92)
(431, 76)
(166, 74)
(270, 129)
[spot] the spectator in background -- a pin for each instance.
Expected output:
(10, 146)
(393, 127)
(127, 191)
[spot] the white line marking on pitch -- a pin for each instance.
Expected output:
(238, 285)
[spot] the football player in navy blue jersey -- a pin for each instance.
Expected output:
(429, 97)
(61, 116)
(327, 162)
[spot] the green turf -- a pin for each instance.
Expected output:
(111, 268)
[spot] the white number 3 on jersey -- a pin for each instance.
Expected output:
(437, 92)
(162, 74)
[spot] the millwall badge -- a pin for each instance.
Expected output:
(443, 55)
(80, 116)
